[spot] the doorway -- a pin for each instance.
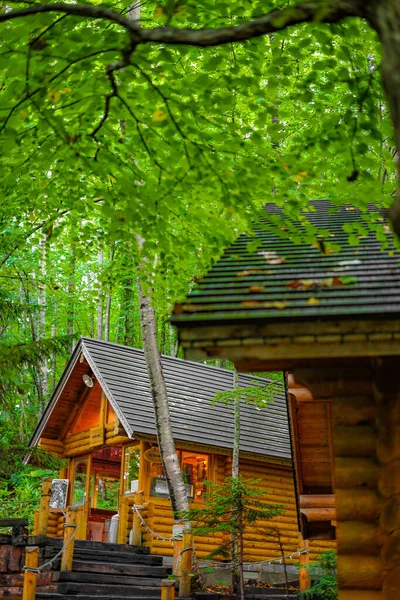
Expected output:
(95, 491)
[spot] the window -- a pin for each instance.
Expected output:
(131, 469)
(194, 470)
(80, 479)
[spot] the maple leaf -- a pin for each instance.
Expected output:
(272, 258)
(255, 288)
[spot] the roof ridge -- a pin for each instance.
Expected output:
(181, 360)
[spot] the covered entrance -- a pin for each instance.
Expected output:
(95, 488)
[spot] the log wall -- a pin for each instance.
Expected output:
(262, 542)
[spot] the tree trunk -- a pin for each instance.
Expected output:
(173, 474)
(385, 18)
(100, 301)
(71, 293)
(108, 305)
(236, 579)
(42, 301)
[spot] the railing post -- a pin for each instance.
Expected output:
(185, 568)
(31, 560)
(167, 589)
(44, 510)
(69, 532)
(304, 575)
(136, 538)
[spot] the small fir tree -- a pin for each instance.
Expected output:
(238, 498)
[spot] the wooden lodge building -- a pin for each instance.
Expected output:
(101, 419)
(322, 304)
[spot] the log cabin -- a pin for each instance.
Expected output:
(101, 420)
(322, 304)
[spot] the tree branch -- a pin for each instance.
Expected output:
(331, 11)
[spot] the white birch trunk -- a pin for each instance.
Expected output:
(42, 301)
(107, 316)
(71, 296)
(100, 301)
(173, 474)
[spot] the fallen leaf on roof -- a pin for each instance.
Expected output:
(255, 288)
(350, 208)
(248, 272)
(280, 305)
(387, 228)
(272, 258)
(313, 301)
(250, 303)
(178, 309)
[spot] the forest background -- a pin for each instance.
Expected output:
(154, 165)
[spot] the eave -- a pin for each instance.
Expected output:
(281, 346)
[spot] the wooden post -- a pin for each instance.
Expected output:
(167, 589)
(136, 523)
(44, 509)
(81, 524)
(185, 565)
(304, 575)
(31, 560)
(70, 528)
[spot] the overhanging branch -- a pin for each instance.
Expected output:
(277, 20)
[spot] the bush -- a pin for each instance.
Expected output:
(324, 570)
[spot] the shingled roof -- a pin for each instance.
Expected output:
(288, 277)
(122, 374)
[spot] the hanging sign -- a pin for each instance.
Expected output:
(153, 455)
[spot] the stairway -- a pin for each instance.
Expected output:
(104, 571)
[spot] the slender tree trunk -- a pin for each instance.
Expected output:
(173, 474)
(173, 340)
(42, 301)
(235, 474)
(128, 303)
(100, 301)
(71, 295)
(108, 305)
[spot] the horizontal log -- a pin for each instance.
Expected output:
(111, 434)
(357, 505)
(354, 472)
(111, 426)
(355, 537)
(354, 441)
(353, 411)
(119, 439)
(360, 572)
(77, 444)
(76, 451)
(319, 514)
(317, 501)
(75, 437)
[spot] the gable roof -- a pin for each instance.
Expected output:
(293, 279)
(122, 374)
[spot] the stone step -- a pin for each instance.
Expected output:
(92, 545)
(84, 566)
(106, 578)
(105, 596)
(101, 589)
(104, 556)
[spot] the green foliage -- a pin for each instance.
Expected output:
(259, 395)
(238, 498)
(324, 573)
